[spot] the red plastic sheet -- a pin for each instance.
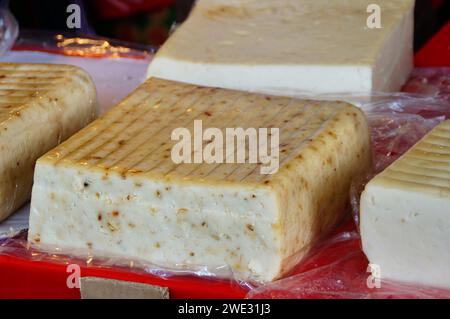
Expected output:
(436, 53)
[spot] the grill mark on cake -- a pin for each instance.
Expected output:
(436, 149)
(307, 129)
(171, 124)
(157, 99)
(164, 141)
(293, 134)
(90, 147)
(235, 109)
(442, 129)
(405, 166)
(423, 169)
(208, 122)
(258, 125)
(111, 117)
(441, 134)
(23, 93)
(12, 105)
(14, 99)
(429, 155)
(426, 163)
(24, 87)
(234, 122)
(438, 140)
(242, 172)
(314, 133)
(21, 74)
(264, 123)
(89, 133)
(223, 127)
(30, 80)
(406, 176)
(146, 116)
(406, 183)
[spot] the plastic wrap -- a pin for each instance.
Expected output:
(9, 28)
(334, 268)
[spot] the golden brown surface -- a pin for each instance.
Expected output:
(134, 137)
(425, 167)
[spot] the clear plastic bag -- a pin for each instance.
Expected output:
(336, 267)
